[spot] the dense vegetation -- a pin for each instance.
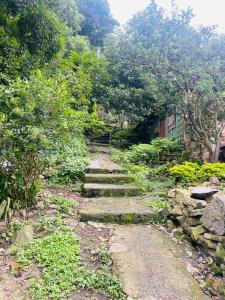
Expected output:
(49, 77)
(52, 75)
(160, 62)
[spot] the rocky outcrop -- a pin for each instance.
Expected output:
(200, 212)
(214, 215)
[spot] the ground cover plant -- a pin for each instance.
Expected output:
(149, 163)
(62, 270)
(189, 172)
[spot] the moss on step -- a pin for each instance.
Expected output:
(108, 190)
(105, 171)
(108, 178)
(126, 218)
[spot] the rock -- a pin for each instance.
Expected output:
(215, 238)
(171, 193)
(220, 251)
(207, 236)
(210, 244)
(23, 213)
(96, 225)
(24, 235)
(170, 226)
(176, 211)
(54, 206)
(202, 192)
(183, 197)
(190, 222)
(195, 232)
(214, 215)
(40, 205)
(196, 212)
(214, 181)
(16, 267)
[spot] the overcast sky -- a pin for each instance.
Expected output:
(208, 12)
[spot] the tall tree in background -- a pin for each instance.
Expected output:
(187, 64)
(97, 22)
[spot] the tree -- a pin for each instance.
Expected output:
(187, 63)
(97, 22)
(131, 87)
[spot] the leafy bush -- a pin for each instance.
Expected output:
(69, 163)
(186, 172)
(36, 115)
(190, 172)
(159, 151)
(208, 170)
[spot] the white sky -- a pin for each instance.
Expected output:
(207, 12)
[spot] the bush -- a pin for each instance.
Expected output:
(190, 172)
(185, 173)
(36, 116)
(158, 152)
(208, 170)
(69, 164)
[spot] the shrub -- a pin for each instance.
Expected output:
(208, 170)
(69, 163)
(36, 115)
(190, 172)
(186, 172)
(159, 151)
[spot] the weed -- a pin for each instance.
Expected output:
(64, 204)
(157, 205)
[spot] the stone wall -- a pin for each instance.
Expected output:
(200, 211)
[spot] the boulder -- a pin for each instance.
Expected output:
(214, 215)
(202, 192)
(24, 235)
(214, 181)
(183, 197)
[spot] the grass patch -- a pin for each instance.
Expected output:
(63, 203)
(63, 270)
(157, 205)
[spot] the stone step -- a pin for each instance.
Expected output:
(108, 178)
(152, 266)
(118, 210)
(98, 144)
(109, 190)
(91, 170)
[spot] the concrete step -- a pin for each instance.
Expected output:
(109, 190)
(118, 210)
(108, 178)
(152, 266)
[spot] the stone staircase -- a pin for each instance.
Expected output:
(111, 195)
(150, 265)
